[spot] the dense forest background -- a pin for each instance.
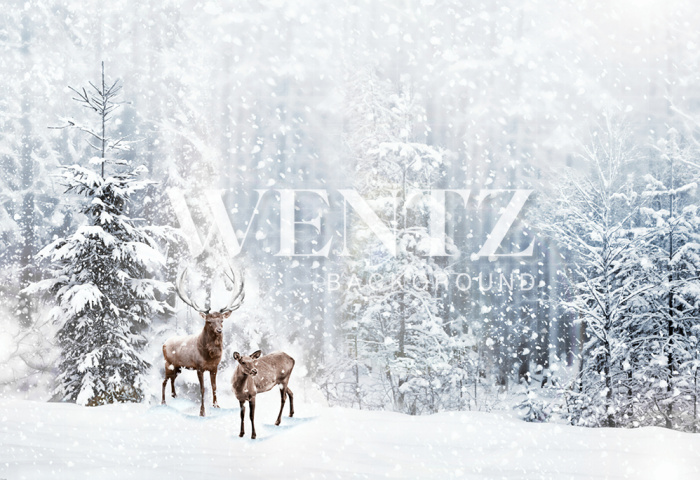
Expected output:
(381, 97)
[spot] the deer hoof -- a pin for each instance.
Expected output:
(216, 405)
(241, 434)
(277, 422)
(252, 437)
(163, 402)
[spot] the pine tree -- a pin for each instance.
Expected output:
(101, 275)
(395, 315)
(591, 218)
(666, 341)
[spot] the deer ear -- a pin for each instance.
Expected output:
(255, 355)
(227, 314)
(203, 315)
(236, 356)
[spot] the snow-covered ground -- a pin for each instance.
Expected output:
(65, 441)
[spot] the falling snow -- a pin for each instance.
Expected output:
(474, 225)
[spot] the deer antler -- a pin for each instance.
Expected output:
(183, 295)
(237, 295)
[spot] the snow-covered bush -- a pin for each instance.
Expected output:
(534, 409)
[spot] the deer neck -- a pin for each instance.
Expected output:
(210, 344)
(243, 382)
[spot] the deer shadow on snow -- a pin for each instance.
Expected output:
(187, 408)
(267, 431)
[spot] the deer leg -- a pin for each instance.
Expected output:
(242, 418)
(164, 383)
(200, 376)
(284, 397)
(170, 374)
(291, 401)
(172, 381)
(252, 416)
(212, 378)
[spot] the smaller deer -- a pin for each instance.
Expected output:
(255, 374)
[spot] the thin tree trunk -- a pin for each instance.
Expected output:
(695, 402)
(103, 120)
(26, 255)
(609, 416)
(357, 376)
(670, 357)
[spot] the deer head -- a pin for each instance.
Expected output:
(214, 320)
(247, 362)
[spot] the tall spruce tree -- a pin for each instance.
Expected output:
(101, 275)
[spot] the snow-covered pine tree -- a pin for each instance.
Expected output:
(666, 339)
(395, 316)
(591, 218)
(100, 276)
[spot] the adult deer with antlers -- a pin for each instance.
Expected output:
(201, 352)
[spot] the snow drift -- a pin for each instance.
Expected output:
(52, 440)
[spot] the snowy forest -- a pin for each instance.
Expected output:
(531, 169)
